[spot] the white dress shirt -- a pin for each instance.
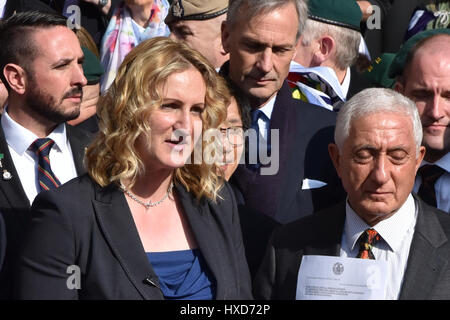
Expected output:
(264, 124)
(396, 236)
(2, 8)
(442, 186)
(25, 161)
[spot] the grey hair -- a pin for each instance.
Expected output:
(376, 100)
(252, 8)
(347, 40)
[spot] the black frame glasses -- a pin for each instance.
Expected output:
(233, 134)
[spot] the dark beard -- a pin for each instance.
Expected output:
(45, 105)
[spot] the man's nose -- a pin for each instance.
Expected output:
(265, 60)
(173, 36)
(435, 107)
(380, 171)
(78, 76)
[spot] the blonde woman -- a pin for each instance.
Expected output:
(143, 224)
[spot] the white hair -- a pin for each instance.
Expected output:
(347, 41)
(376, 100)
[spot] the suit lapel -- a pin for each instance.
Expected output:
(425, 262)
(284, 119)
(199, 216)
(78, 144)
(325, 240)
(329, 227)
(12, 188)
(115, 220)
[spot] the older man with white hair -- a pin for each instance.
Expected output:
(377, 153)
(328, 47)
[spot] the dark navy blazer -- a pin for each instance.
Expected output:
(84, 225)
(305, 130)
(2, 241)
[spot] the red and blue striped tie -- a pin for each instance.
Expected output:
(46, 178)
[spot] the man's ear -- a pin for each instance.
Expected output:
(333, 151)
(398, 86)
(225, 37)
(15, 75)
(420, 157)
(325, 49)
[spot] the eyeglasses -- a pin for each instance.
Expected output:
(235, 135)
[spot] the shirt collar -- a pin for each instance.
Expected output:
(267, 109)
(443, 162)
(2, 8)
(20, 138)
(346, 83)
(392, 230)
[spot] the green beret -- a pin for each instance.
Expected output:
(342, 13)
(399, 62)
(378, 72)
(91, 66)
(195, 10)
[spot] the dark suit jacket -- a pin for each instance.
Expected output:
(427, 274)
(15, 206)
(305, 130)
(358, 82)
(91, 227)
(2, 241)
(13, 6)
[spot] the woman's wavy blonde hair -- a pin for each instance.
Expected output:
(126, 106)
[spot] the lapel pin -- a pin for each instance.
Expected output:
(6, 175)
(1, 158)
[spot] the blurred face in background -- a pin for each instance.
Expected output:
(232, 140)
(203, 36)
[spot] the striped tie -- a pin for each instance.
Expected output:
(47, 180)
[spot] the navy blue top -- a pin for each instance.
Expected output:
(183, 275)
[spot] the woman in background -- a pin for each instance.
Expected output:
(132, 22)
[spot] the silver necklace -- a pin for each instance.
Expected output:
(148, 204)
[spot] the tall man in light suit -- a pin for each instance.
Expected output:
(298, 177)
(377, 153)
(41, 67)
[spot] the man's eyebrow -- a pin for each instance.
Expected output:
(253, 41)
(181, 27)
(398, 148)
(256, 42)
(365, 146)
(234, 121)
(62, 61)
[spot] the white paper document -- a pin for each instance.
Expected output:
(336, 278)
